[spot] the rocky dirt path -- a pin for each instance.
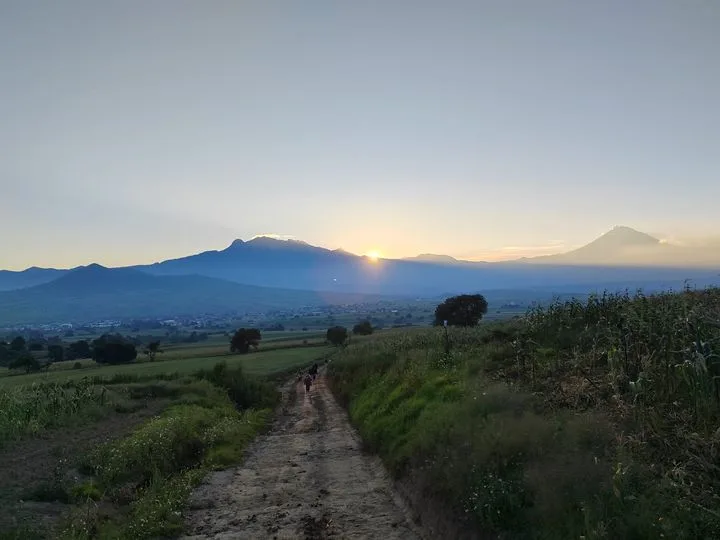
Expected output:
(307, 478)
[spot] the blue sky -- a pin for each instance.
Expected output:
(135, 131)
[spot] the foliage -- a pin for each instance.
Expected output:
(364, 328)
(337, 335)
(35, 346)
(56, 353)
(593, 419)
(25, 361)
(152, 349)
(17, 344)
(28, 410)
(150, 473)
(78, 349)
(463, 310)
(244, 391)
(243, 339)
(113, 349)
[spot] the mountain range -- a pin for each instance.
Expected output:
(267, 273)
(94, 292)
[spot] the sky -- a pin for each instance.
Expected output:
(134, 131)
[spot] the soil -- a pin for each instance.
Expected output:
(307, 478)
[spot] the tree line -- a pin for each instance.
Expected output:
(462, 310)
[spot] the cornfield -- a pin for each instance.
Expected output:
(27, 410)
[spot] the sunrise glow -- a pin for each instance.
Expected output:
(373, 255)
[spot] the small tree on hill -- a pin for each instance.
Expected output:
(337, 335)
(364, 328)
(463, 310)
(243, 339)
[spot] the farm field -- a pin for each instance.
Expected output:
(263, 362)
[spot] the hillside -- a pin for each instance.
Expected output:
(95, 292)
(11, 280)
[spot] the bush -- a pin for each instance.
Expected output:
(337, 335)
(243, 339)
(363, 328)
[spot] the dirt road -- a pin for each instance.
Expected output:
(307, 478)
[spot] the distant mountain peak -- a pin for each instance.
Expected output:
(621, 235)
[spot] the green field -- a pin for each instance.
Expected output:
(259, 363)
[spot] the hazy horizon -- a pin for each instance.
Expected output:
(138, 132)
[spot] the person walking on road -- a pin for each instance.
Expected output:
(308, 382)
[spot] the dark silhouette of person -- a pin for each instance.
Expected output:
(308, 381)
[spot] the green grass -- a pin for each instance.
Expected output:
(147, 476)
(259, 363)
(595, 419)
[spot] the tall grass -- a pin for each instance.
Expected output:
(596, 419)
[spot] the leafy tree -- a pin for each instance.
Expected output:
(35, 346)
(25, 361)
(364, 328)
(17, 344)
(243, 339)
(337, 335)
(79, 349)
(113, 349)
(463, 310)
(56, 353)
(152, 349)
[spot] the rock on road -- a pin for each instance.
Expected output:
(307, 478)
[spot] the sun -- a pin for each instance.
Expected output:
(373, 255)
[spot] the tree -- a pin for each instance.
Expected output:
(79, 349)
(56, 353)
(152, 349)
(243, 339)
(463, 310)
(337, 335)
(5, 353)
(17, 344)
(25, 361)
(113, 349)
(363, 328)
(35, 346)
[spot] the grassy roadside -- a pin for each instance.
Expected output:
(594, 420)
(136, 487)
